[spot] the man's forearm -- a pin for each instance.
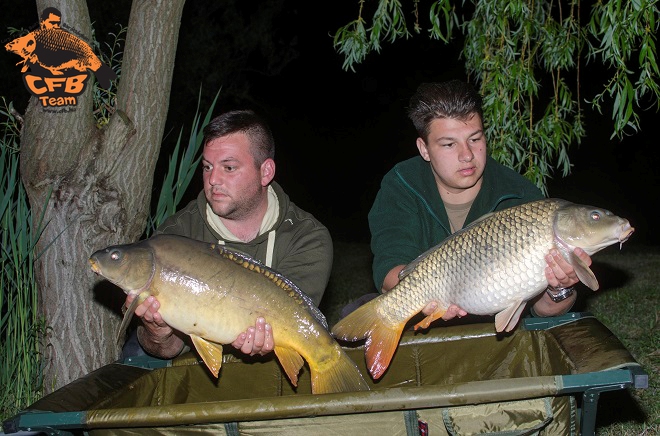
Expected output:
(166, 347)
(544, 306)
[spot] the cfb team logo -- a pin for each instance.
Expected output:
(56, 63)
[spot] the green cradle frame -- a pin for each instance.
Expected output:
(546, 377)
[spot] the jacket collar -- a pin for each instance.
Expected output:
(416, 174)
(274, 223)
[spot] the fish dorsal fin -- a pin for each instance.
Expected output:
(411, 266)
(291, 361)
(281, 281)
(583, 272)
(477, 221)
(210, 352)
(507, 319)
(128, 315)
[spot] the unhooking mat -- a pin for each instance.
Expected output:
(545, 378)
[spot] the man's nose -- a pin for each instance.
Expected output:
(215, 177)
(466, 154)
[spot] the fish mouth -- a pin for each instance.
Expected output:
(95, 266)
(627, 231)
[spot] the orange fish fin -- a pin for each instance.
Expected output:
(291, 361)
(382, 339)
(583, 272)
(339, 374)
(358, 324)
(426, 322)
(507, 319)
(380, 347)
(210, 352)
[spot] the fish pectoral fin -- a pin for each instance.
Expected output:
(426, 322)
(210, 352)
(583, 272)
(128, 315)
(507, 319)
(291, 361)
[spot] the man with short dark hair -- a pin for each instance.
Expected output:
(242, 207)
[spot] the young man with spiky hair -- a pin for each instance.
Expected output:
(450, 184)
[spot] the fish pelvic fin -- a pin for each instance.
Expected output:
(426, 322)
(291, 361)
(210, 352)
(507, 319)
(338, 374)
(382, 338)
(583, 272)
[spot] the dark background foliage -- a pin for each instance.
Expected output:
(338, 132)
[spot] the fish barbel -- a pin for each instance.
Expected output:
(213, 294)
(491, 267)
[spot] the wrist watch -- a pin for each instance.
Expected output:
(559, 294)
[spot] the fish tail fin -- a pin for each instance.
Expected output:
(380, 348)
(382, 338)
(339, 374)
(291, 361)
(358, 324)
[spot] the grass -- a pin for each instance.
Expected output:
(22, 328)
(627, 303)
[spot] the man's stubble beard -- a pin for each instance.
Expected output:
(235, 209)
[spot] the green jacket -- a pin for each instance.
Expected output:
(301, 246)
(408, 216)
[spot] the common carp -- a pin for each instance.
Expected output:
(213, 294)
(491, 267)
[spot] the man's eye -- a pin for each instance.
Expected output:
(230, 169)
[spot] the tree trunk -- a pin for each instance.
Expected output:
(93, 186)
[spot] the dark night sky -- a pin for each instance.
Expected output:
(338, 132)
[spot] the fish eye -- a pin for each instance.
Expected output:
(595, 215)
(115, 255)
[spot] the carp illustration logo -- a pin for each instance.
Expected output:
(59, 62)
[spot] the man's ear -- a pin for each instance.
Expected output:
(423, 149)
(267, 172)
